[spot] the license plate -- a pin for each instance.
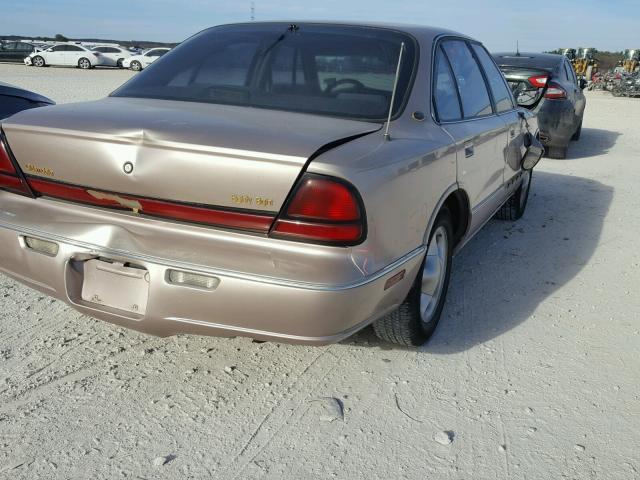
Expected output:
(116, 286)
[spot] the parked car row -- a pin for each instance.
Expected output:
(78, 55)
(326, 172)
(84, 57)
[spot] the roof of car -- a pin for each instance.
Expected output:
(521, 59)
(423, 31)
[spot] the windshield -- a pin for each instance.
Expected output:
(343, 71)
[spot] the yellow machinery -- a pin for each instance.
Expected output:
(631, 60)
(585, 63)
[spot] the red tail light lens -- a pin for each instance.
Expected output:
(322, 199)
(539, 81)
(10, 178)
(555, 91)
(322, 210)
(6, 165)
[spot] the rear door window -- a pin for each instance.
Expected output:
(569, 71)
(445, 95)
(471, 84)
(501, 93)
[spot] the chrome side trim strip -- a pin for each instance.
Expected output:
(98, 250)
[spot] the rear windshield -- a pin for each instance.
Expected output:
(343, 71)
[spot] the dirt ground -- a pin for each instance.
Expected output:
(533, 371)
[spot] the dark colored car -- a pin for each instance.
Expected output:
(15, 99)
(15, 51)
(547, 85)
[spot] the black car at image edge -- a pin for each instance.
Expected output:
(547, 85)
(15, 99)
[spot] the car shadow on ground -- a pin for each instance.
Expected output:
(593, 142)
(501, 277)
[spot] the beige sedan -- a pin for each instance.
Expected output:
(283, 182)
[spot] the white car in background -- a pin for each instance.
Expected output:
(113, 56)
(66, 54)
(138, 62)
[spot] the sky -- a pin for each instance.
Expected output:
(606, 25)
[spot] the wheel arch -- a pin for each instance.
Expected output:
(457, 202)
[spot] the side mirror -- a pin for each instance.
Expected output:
(583, 83)
(534, 153)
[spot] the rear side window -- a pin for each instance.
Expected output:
(501, 94)
(569, 71)
(473, 90)
(445, 96)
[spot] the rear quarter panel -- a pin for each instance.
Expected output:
(402, 183)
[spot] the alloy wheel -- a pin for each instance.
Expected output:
(434, 273)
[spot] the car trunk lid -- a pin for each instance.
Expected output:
(122, 152)
(527, 84)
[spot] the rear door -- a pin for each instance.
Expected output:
(11, 52)
(55, 56)
(74, 53)
(479, 133)
(506, 108)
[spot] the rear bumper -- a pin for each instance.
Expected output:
(557, 123)
(243, 303)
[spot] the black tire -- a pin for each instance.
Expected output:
(557, 152)
(38, 61)
(405, 326)
(119, 62)
(84, 63)
(514, 208)
(578, 132)
(136, 66)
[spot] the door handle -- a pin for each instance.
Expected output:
(468, 150)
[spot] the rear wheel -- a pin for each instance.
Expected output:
(557, 152)
(136, 66)
(576, 135)
(84, 63)
(119, 63)
(415, 320)
(514, 208)
(37, 61)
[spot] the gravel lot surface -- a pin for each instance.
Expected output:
(532, 373)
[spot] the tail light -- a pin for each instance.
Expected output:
(322, 210)
(10, 177)
(539, 81)
(555, 91)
